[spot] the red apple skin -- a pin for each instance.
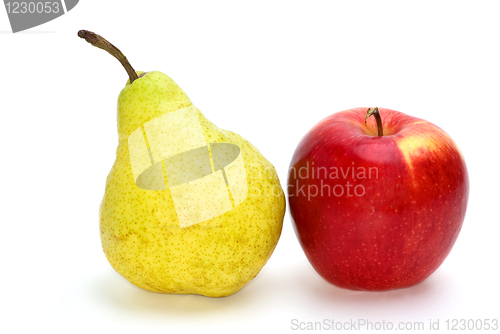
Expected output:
(404, 225)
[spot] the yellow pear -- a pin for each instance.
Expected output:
(188, 208)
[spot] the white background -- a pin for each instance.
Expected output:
(269, 71)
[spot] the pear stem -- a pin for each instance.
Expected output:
(102, 43)
(376, 114)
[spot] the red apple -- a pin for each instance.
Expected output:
(377, 212)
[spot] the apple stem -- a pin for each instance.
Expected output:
(102, 43)
(376, 114)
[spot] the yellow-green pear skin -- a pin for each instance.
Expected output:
(140, 232)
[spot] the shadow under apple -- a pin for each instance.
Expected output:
(428, 299)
